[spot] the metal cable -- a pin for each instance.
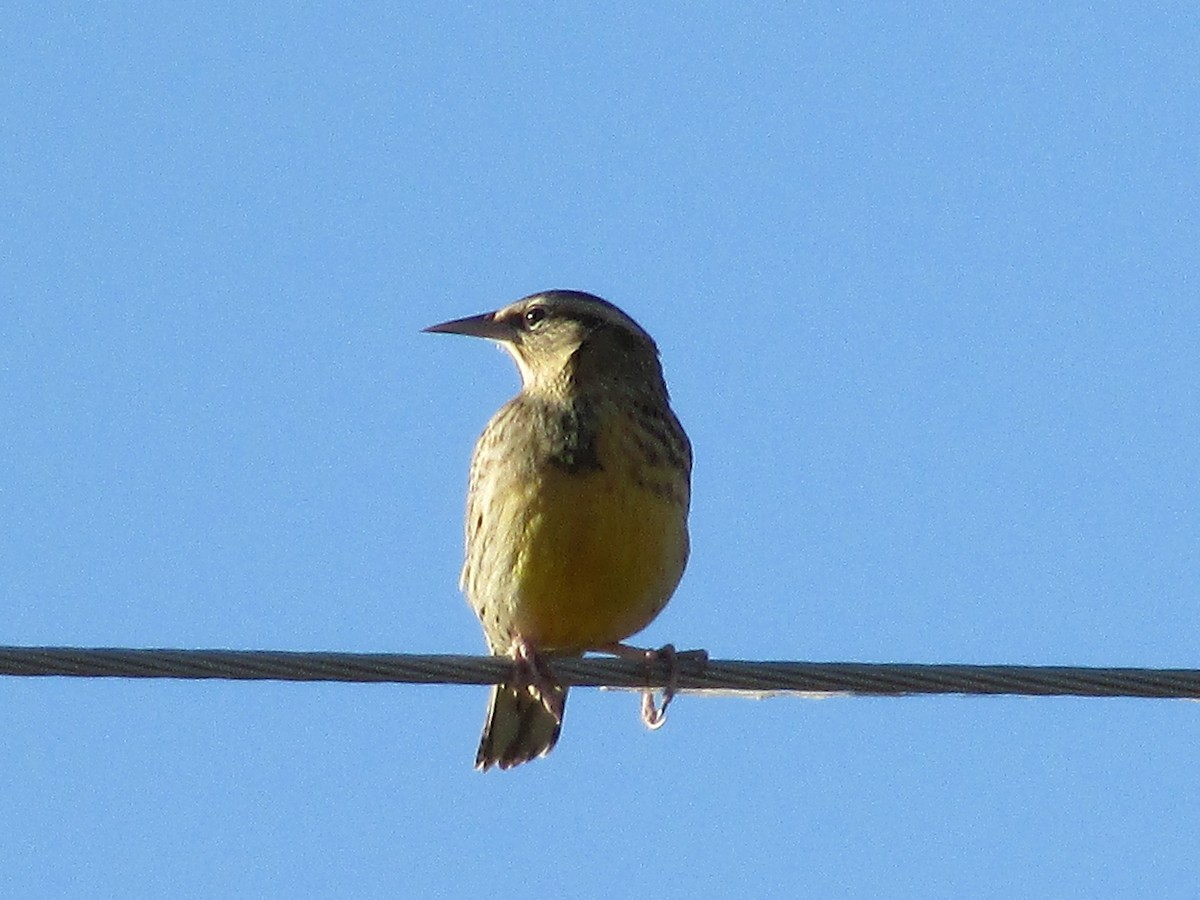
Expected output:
(713, 676)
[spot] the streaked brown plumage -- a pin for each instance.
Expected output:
(576, 531)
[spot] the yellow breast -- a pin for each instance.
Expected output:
(600, 554)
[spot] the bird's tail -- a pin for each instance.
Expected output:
(523, 723)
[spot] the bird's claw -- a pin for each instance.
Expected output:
(531, 672)
(655, 715)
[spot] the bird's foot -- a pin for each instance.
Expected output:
(531, 672)
(654, 714)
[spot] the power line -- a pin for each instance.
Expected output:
(713, 676)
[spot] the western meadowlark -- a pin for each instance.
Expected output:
(577, 505)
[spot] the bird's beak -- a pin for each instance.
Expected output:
(484, 326)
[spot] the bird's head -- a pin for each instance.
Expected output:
(560, 333)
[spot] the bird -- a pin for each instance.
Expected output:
(577, 505)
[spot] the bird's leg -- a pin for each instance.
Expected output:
(531, 672)
(654, 715)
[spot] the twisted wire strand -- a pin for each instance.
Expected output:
(694, 676)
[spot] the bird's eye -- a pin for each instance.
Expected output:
(534, 316)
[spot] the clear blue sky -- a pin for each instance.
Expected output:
(927, 289)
